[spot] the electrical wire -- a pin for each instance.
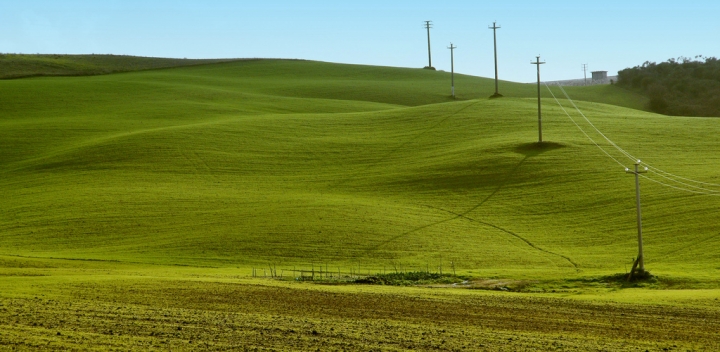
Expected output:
(679, 188)
(581, 129)
(680, 177)
(683, 183)
(596, 129)
(667, 175)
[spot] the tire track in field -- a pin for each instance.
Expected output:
(404, 144)
(202, 161)
(499, 187)
(463, 216)
(198, 162)
(675, 251)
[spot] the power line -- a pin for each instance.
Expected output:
(680, 177)
(495, 28)
(669, 176)
(596, 129)
(582, 130)
(641, 258)
(428, 25)
(538, 63)
(639, 263)
(452, 68)
(655, 170)
(680, 188)
(684, 184)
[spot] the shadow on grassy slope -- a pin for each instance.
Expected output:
(535, 149)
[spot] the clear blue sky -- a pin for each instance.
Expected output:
(608, 35)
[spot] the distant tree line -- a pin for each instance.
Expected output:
(680, 87)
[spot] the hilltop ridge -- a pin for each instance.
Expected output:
(14, 66)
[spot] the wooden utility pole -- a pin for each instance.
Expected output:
(452, 69)
(538, 63)
(428, 25)
(495, 28)
(640, 262)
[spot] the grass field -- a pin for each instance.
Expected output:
(23, 65)
(141, 202)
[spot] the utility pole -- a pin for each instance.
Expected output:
(452, 69)
(495, 28)
(538, 63)
(428, 25)
(640, 262)
(585, 72)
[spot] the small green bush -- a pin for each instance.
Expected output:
(411, 278)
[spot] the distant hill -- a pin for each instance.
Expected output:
(434, 83)
(24, 65)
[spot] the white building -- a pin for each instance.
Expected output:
(599, 75)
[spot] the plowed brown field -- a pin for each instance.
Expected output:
(192, 315)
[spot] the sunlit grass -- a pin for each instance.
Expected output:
(182, 166)
(202, 174)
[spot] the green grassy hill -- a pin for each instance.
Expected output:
(298, 163)
(24, 65)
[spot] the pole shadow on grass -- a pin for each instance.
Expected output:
(535, 148)
(529, 150)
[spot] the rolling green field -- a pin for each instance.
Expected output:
(24, 65)
(142, 202)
